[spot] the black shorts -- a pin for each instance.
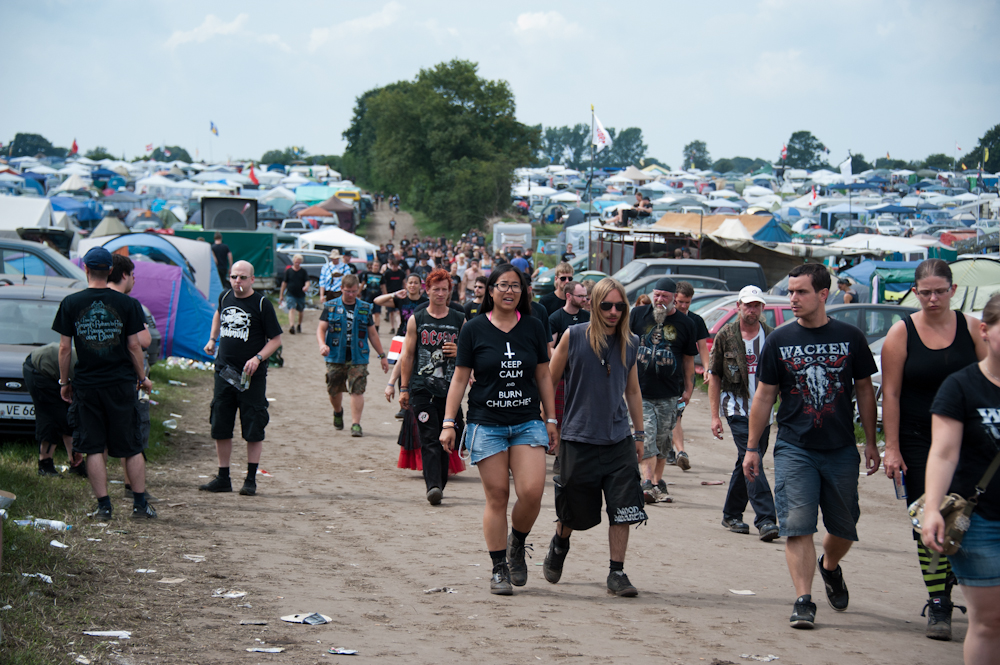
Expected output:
(429, 412)
(252, 404)
(106, 417)
(51, 423)
(587, 471)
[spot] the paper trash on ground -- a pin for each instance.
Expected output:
(440, 589)
(171, 580)
(265, 649)
(144, 570)
(120, 634)
(197, 558)
(42, 576)
(742, 592)
(313, 619)
(343, 652)
(222, 593)
(764, 659)
(83, 660)
(56, 543)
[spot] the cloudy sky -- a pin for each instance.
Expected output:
(905, 77)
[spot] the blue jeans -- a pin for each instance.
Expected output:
(807, 480)
(486, 440)
(758, 492)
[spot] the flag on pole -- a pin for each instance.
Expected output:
(253, 178)
(166, 152)
(212, 128)
(601, 138)
(845, 167)
(784, 151)
(149, 147)
(74, 148)
(986, 158)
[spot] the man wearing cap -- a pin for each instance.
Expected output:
(732, 382)
(666, 370)
(845, 293)
(104, 325)
(331, 275)
(682, 300)
(248, 332)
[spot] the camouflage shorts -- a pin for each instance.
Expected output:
(351, 379)
(659, 417)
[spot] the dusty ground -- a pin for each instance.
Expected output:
(339, 530)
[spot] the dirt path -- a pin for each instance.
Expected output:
(339, 530)
(377, 230)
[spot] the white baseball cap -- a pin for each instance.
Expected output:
(751, 294)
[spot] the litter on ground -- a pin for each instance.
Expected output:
(314, 619)
(119, 634)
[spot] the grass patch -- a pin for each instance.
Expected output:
(428, 227)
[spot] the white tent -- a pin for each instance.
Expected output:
(9, 176)
(277, 193)
(295, 180)
(77, 169)
(565, 197)
(332, 237)
(733, 229)
(883, 244)
(43, 169)
(72, 183)
(24, 211)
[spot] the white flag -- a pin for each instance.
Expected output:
(845, 168)
(601, 139)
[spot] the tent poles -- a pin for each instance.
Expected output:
(590, 187)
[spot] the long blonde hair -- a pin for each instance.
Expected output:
(597, 330)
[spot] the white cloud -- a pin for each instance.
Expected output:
(362, 25)
(274, 40)
(209, 28)
(546, 24)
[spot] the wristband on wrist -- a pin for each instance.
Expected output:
(404, 389)
(552, 421)
(449, 420)
(60, 382)
(448, 426)
(381, 356)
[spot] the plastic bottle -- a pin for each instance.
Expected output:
(170, 424)
(54, 525)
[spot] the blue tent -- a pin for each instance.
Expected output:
(102, 174)
(894, 209)
(772, 232)
(863, 272)
(89, 211)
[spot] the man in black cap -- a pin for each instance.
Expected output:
(666, 370)
(104, 326)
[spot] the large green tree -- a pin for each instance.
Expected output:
(176, 152)
(447, 142)
(939, 160)
(29, 145)
(989, 141)
(571, 146)
(98, 153)
(805, 151)
(696, 154)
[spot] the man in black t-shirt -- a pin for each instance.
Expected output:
(666, 367)
(478, 293)
(248, 332)
(223, 258)
(570, 314)
(816, 363)
(393, 280)
(554, 301)
(685, 291)
(104, 325)
(427, 365)
(295, 284)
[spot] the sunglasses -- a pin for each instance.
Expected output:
(619, 306)
(239, 277)
(565, 278)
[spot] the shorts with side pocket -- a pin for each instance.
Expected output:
(659, 417)
(806, 481)
(298, 303)
(589, 471)
(346, 378)
(487, 440)
(107, 418)
(251, 404)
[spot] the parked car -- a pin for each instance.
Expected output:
(312, 262)
(645, 284)
(295, 226)
(873, 320)
(777, 311)
(23, 257)
(736, 274)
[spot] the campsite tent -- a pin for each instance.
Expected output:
(194, 256)
(772, 232)
(733, 229)
(73, 183)
(882, 245)
(331, 237)
(23, 212)
(343, 210)
(109, 226)
(182, 313)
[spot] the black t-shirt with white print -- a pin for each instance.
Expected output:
(815, 369)
(432, 371)
(505, 392)
(246, 326)
(970, 398)
(662, 347)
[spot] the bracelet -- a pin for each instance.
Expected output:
(448, 426)
(552, 421)
(392, 384)
(381, 356)
(639, 431)
(404, 389)
(60, 382)
(449, 420)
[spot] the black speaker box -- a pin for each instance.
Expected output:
(226, 213)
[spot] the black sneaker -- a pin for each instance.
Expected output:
(735, 525)
(79, 470)
(500, 581)
(147, 512)
(663, 493)
(661, 485)
(619, 585)
(803, 613)
(671, 458)
(291, 330)
(553, 566)
(102, 512)
(939, 618)
(298, 328)
(836, 589)
(217, 485)
(338, 420)
(48, 469)
(249, 487)
(129, 494)
(768, 531)
(400, 414)
(516, 563)
(434, 496)
(683, 461)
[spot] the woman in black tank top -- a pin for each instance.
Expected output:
(918, 354)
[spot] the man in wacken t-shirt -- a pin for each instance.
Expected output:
(817, 363)
(248, 332)
(428, 363)
(104, 326)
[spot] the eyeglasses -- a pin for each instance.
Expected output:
(565, 278)
(619, 306)
(513, 287)
(927, 293)
(239, 277)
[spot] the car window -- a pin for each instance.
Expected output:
(770, 318)
(27, 322)
(717, 315)
(18, 262)
(878, 322)
(313, 259)
(846, 314)
(787, 314)
(737, 278)
(631, 272)
(705, 271)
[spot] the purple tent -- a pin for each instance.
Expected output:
(182, 313)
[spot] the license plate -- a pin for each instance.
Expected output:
(17, 411)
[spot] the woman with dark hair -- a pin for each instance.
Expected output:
(918, 354)
(506, 348)
(965, 416)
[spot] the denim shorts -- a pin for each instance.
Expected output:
(296, 303)
(486, 440)
(808, 480)
(977, 562)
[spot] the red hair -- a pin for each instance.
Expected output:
(437, 275)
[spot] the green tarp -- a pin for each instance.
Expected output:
(257, 247)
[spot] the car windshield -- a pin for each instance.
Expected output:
(630, 272)
(27, 321)
(716, 315)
